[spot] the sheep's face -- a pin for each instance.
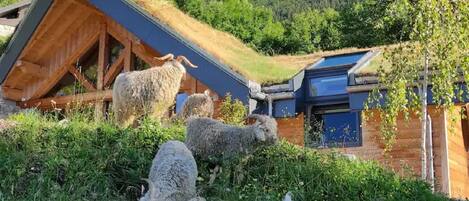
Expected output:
(269, 127)
(267, 130)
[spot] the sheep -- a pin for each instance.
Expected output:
(149, 92)
(211, 139)
(197, 105)
(172, 175)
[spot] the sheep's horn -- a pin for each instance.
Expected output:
(165, 57)
(185, 60)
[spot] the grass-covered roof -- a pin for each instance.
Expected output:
(230, 50)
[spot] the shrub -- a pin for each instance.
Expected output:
(79, 160)
(271, 172)
(82, 159)
(232, 111)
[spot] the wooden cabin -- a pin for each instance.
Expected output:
(70, 51)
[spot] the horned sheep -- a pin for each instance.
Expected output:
(211, 139)
(197, 105)
(148, 92)
(173, 174)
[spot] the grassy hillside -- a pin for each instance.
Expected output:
(43, 159)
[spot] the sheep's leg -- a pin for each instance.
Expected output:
(214, 174)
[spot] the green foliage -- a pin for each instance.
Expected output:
(438, 52)
(86, 160)
(79, 160)
(4, 3)
(232, 111)
(289, 27)
(313, 31)
(376, 22)
(286, 9)
(253, 25)
(4, 43)
(270, 173)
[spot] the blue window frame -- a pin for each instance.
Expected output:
(334, 129)
(327, 86)
(180, 99)
(340, 60)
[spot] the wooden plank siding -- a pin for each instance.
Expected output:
(458, 156)
(292, 129)
(404, 157)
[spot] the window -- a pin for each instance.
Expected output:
(327, 86)
(180, 99)
(340, 60)
(334, 129)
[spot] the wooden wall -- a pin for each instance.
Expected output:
(404, 157)
(292, 129)
(458, 156)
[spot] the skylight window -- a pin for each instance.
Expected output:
(328, 86)
(339, 60)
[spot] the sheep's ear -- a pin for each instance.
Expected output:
(260, 136)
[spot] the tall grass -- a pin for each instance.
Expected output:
(43, 158)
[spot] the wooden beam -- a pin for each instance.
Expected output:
(103, 57)
(64, 101)
(128, 56)
(147, 56)
(114, 70)
(68, 25)
(12, 93)
(86, 5)
(51, 18)
(81, 78)
(46, 85)
(103, 62)
(30, 68)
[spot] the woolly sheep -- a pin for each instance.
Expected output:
(211, 139)
(173, 174)
(197, 105)
(150, 91)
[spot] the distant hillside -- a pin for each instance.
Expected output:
(286, 9)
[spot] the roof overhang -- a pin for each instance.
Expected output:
(157, 35)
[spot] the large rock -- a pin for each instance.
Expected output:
(7, 107)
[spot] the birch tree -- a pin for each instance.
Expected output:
(435, 59)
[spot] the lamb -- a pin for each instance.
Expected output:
(197, 105)
(173, 174)
(211, 139)
(149, 92)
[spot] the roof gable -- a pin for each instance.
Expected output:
(156, 35)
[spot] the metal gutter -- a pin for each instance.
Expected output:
(22, 35)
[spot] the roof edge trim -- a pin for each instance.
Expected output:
(22, 35)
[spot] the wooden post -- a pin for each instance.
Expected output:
(103, 62)
(128, 56)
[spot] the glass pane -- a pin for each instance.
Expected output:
(341, 128)
(180, 98)
(334, 129)
(340, 60)
(326, 86)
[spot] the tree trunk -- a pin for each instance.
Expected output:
(423, 95)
